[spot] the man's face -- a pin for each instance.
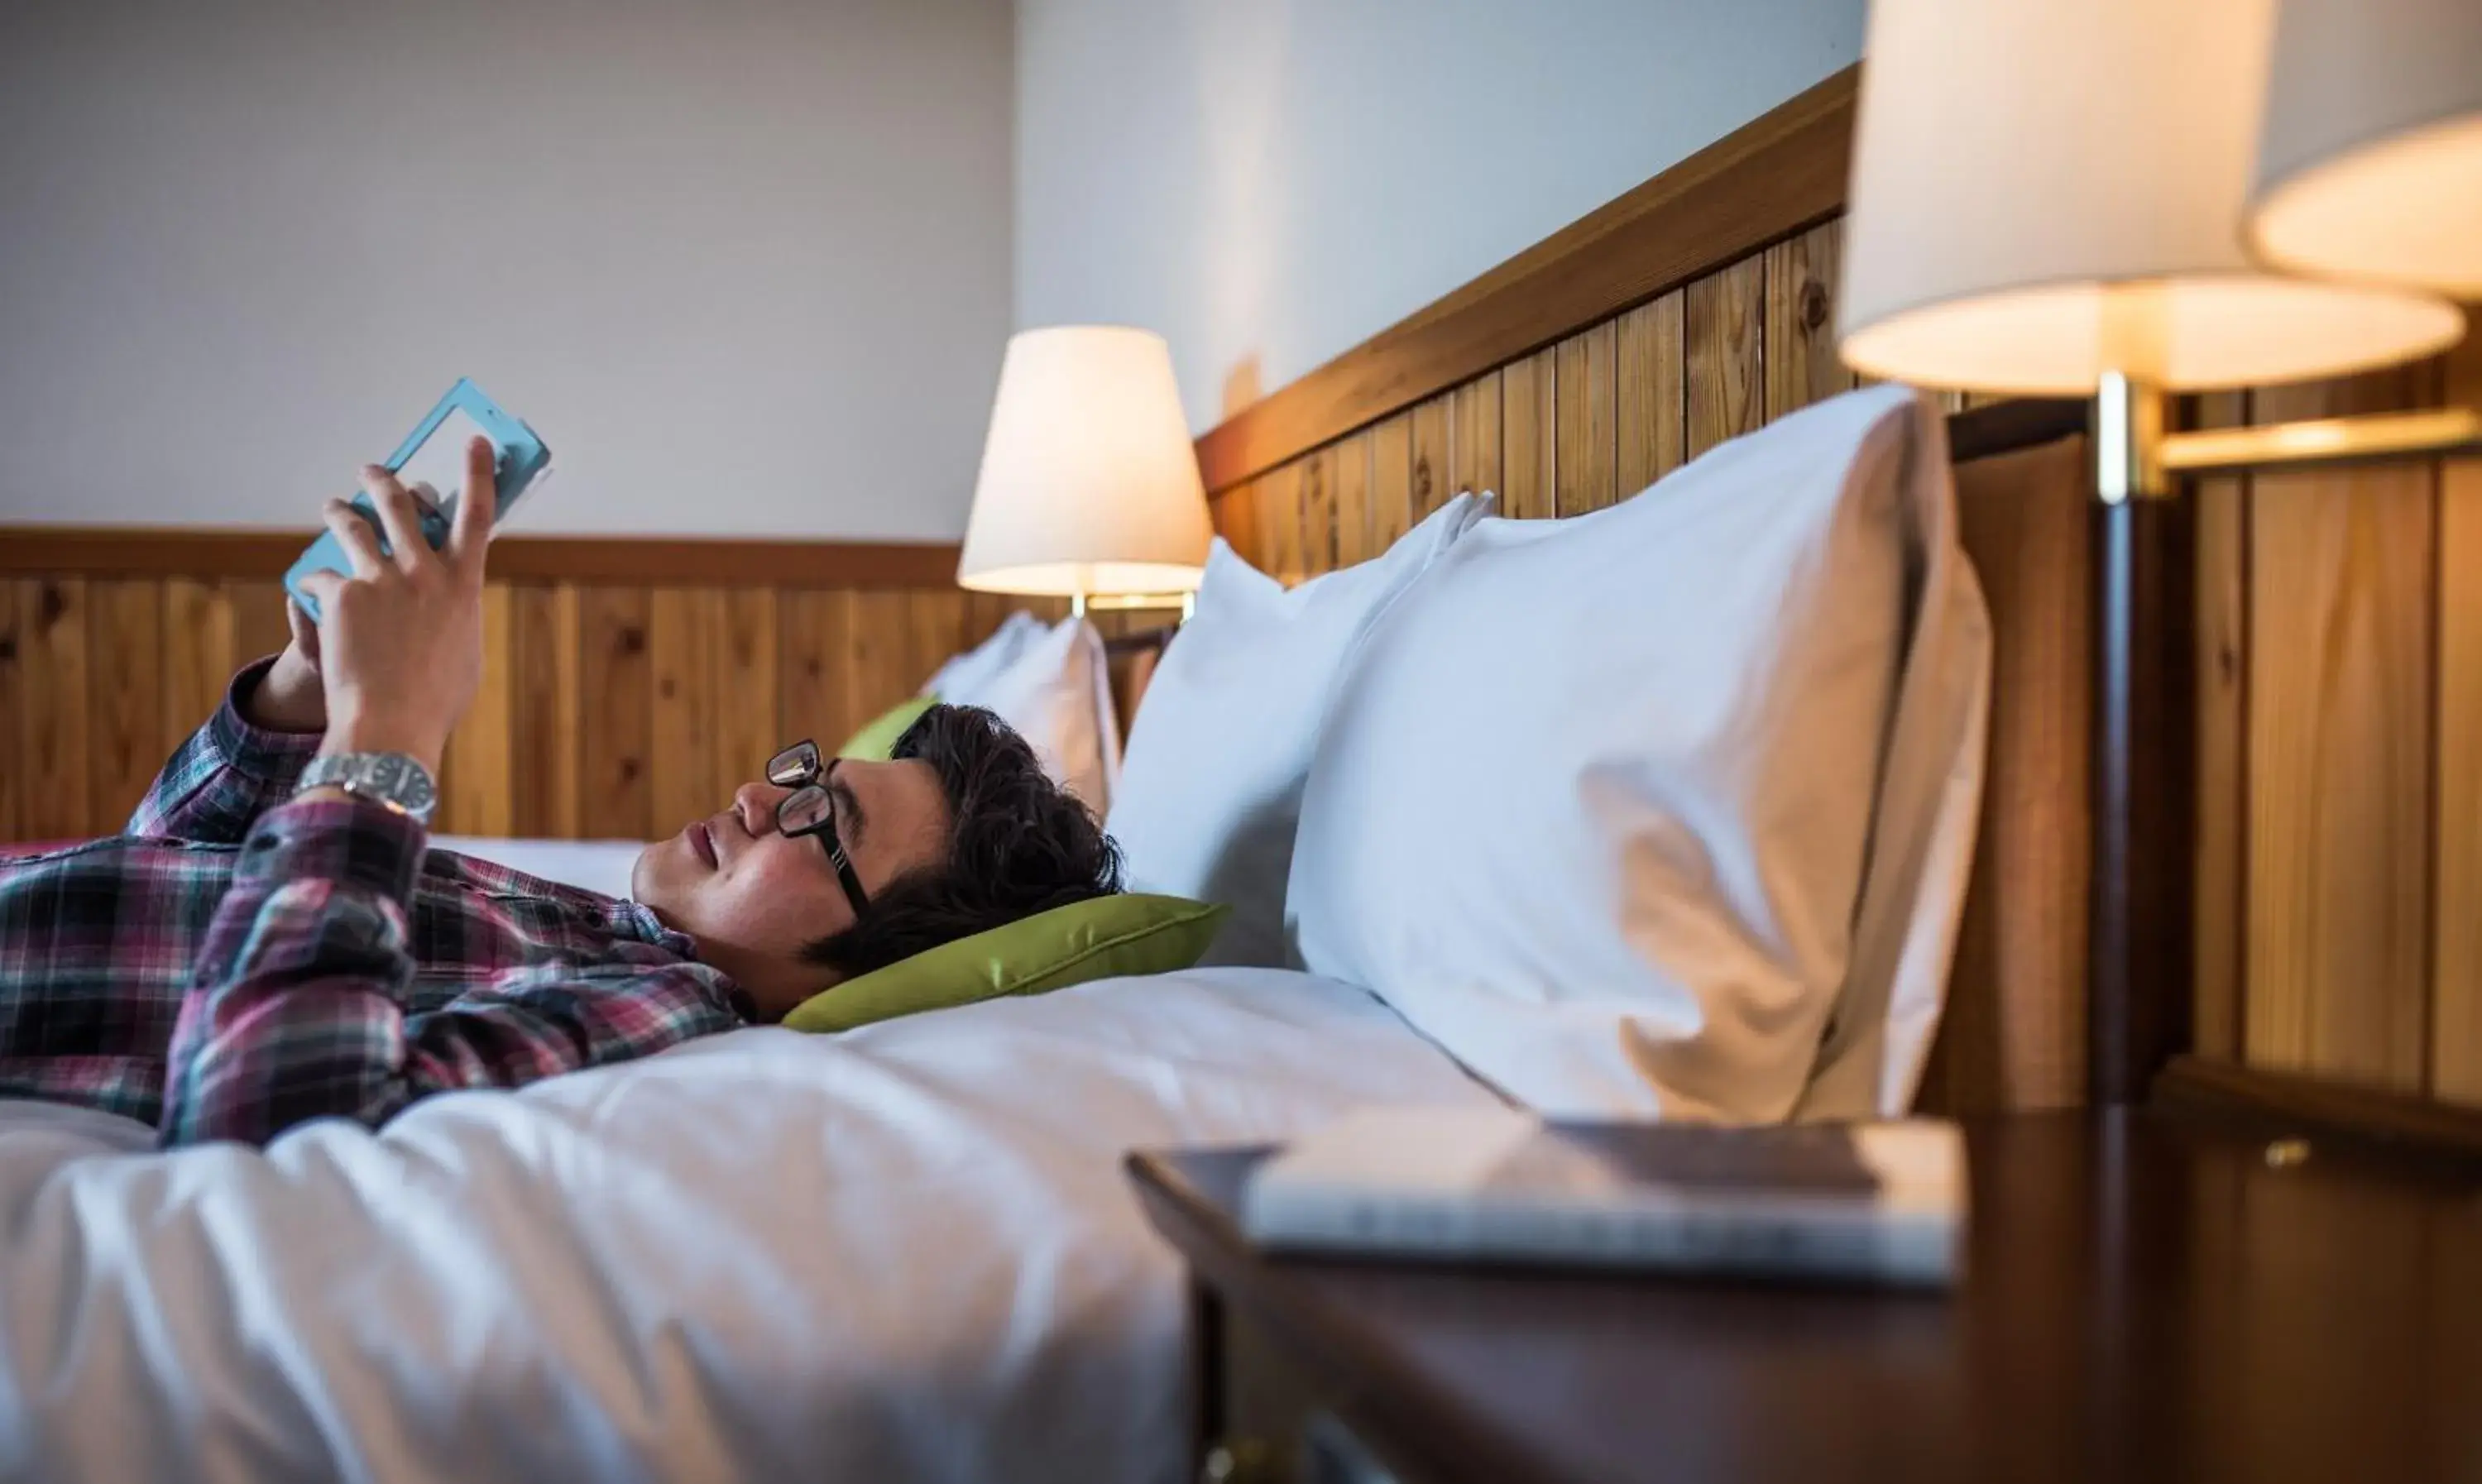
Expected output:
(753, 898)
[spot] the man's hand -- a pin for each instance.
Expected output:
(290, 696)
(399, 646)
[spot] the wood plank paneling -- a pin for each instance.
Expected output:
(615, 685)
(2340, 707)
(745, 733)
(125, 722)
(1723, 324)
(878, 635)
(1648, 374)
(1278, 498)
(13, 764)
(1236, 520)
(934, 631)
(198, 659)
(259, 627)
(1528, 421)
(684, 636)
(2222, 640)
(544, 630)
(53, 750)
(479, 789)
(1802, 366)
(1585, 441)
(2012, 1036)
(1321, 539)
(1473, 425)
(1349, 471)
(2456, 983)
(1433, 456)
(616, 560)
(811, 660)
(1391, 481)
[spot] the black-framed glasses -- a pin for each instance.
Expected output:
(811, 808)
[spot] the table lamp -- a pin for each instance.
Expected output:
(2048, 197)
(1089, 488)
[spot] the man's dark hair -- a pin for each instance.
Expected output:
(1018, 844)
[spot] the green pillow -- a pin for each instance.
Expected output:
(1130, 933)
(877, 738)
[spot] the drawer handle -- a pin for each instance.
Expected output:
(1241, 1461)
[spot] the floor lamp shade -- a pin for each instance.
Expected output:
(2047, 190)
(1088, 485)
(2371, 160)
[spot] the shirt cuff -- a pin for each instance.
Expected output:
(354, 842)
(255, 751)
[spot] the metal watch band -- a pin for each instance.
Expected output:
(390, 778)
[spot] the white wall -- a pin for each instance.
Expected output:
(1274, 182)
(744, 263)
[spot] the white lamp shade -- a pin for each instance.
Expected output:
(2370, 160)
(2044, 190)
(1089, 483)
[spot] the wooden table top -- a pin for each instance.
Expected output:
(2147, 1298)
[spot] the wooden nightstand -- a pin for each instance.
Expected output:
(2149, 1298)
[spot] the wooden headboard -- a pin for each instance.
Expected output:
(1695, 309)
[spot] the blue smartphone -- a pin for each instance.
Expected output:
(433, 454)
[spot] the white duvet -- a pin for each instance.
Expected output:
(904, 1253)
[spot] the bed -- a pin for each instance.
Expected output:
(907, 1252)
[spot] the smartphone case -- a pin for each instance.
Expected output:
(521, 457)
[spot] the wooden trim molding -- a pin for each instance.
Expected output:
(175, 551)
(2299, 1105)
(1775, 177)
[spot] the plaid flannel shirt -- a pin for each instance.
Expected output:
(239, 962)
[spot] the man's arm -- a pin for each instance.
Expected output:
(297, 1007)
(247, 758)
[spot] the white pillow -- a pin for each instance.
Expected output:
(1211, 789)
(973, 671)
(1593, 804)
(1052, 685)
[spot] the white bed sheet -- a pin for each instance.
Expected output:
(903, 1252)
(597, 865)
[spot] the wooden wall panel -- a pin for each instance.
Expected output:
(198, 654)
(51, 718)
(1349, 462)
(1433, 455)
(1585, 441)
(478, 786)
(14, 765)
(1528, 422)
(1474, 428)
(259, 627)
(1723, 328)
(684, 636)
(2339, 766)
(1321, 540)
(125, 718)
(2220, 671)
(546, 630)
(2456, 913)
(614, 792)
(1280, 524)
(746, 731)
(1236, 520)
(1802, 366)
(1391, 481)
(1650, 372)
(812, 660)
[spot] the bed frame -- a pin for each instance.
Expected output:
(1697, 307)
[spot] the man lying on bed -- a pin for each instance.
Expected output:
(252, 954)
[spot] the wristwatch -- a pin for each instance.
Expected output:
(390, 778)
